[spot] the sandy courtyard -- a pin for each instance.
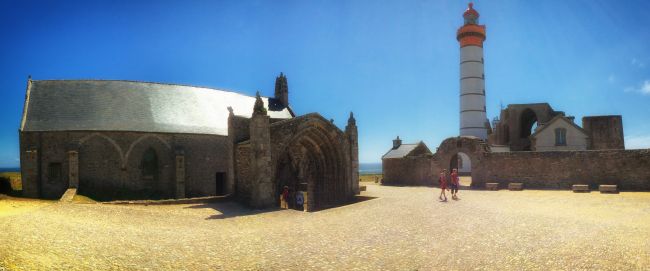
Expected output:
(403, 228)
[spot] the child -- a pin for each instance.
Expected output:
(443, 185)
(454, 184)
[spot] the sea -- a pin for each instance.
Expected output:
(369, 168)
(9, 169)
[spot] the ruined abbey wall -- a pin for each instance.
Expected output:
(629, 169)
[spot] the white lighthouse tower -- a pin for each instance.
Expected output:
(471, 35)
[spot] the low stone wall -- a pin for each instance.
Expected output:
(629, 169)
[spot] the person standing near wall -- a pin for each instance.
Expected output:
(442, 180)
(455, 182)
(284, 198)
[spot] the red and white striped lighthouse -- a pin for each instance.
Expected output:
(473, 120)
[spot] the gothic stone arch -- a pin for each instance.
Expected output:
(310, 150)
(473, 147)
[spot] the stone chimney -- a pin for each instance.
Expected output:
(397, 142)
(282, 90)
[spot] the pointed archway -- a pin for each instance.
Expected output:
(314, 159)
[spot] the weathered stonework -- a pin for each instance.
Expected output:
(180, 174)
(535, 170)
(562, 169)
(605, 132)
(353, 139)
(410, 170)
(109, 163)
(260, 157)
(248, 156)
(73, 169)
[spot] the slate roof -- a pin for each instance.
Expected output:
(111, 105)
(402, 151)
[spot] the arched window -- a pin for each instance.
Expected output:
(149, 164)
(560, 137)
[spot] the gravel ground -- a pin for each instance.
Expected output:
(403, 228)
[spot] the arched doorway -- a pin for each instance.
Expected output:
(314, 161)
(462, 162)
(528, 124)
(471, 151)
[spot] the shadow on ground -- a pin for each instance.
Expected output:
(230, 209)
(234, 209)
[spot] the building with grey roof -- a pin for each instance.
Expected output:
(407, 164)
(115, 139)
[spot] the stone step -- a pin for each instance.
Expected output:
(515, 186)
(492, 186)
(608, 188)
(580, 188)
(68, 195)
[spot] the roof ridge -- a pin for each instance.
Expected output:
(149, 82)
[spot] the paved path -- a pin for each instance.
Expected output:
(404, 228)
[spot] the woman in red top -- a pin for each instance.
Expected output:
(442, 179)
(455, 182)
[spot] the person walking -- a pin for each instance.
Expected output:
(442, 180)
(455, 183)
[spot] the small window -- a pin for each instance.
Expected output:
(560, 137)
(54, 172)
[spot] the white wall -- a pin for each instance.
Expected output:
(466, 163)
(575, 140)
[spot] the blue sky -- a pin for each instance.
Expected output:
(394, 63)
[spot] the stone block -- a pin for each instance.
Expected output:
(580, 188)
(608, 188)
(492, 186)
(362, 188)
(515, 186)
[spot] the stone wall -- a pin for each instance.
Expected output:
(109, 163)
(630, 169)
(605, 132)
(408, 171)
(244, 188)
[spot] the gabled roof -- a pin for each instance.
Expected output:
(405, 150)
(559, 118)
(110, 105)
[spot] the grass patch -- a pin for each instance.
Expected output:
(13, 178)
(371, 178)
(10, 183)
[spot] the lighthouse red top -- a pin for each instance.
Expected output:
(471, 33)
(470, 11)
